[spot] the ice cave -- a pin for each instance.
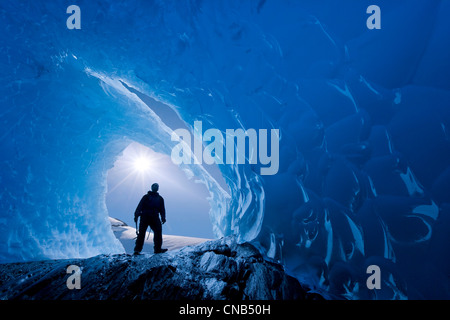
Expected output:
(363, 116)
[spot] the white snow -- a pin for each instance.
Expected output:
(127, 237)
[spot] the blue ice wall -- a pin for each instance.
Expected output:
(364, 118)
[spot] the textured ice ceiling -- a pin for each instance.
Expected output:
(364, 117)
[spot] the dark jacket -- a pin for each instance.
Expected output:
(151, 205)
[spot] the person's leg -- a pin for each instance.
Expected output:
(155, 224)
(143, 225)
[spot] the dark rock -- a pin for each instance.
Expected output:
(220, 270)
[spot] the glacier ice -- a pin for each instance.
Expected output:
(364, 175)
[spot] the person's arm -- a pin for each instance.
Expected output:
(138, 210)
(162, 211)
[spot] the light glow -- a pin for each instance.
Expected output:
(136, 166)
(142, 164)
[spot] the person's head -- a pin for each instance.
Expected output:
(155, 187)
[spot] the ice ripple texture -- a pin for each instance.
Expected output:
(364, 118)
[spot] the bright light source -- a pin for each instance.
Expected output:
(141, 164)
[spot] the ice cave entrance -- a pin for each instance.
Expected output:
(186, 201)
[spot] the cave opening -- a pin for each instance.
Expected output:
(186, 200)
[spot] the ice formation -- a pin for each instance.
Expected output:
(364, 176)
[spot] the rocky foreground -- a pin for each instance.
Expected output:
(215, 270)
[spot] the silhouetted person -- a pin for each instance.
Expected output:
(149, 209)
